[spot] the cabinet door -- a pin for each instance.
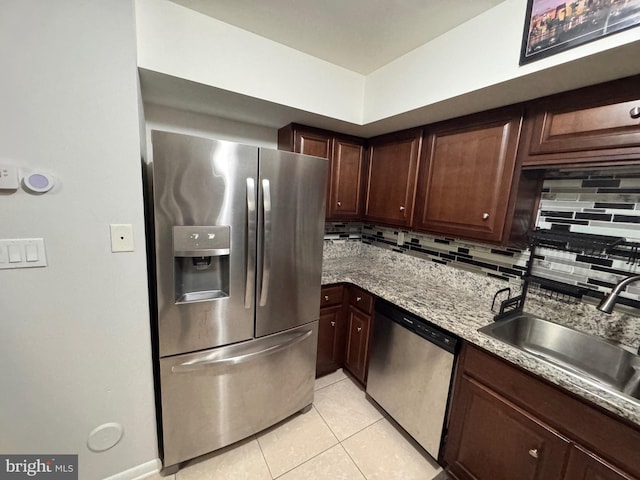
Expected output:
(391, 179)
(312, 144)
(585, 466)
(599, 123)
(467, 175)
(492, 439)
(347, 162)
(357, 343)
(345, 187)
(330, 347)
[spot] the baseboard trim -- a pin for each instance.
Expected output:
(139, 472)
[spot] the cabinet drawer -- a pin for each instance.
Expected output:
(361, 300)
(331, 296)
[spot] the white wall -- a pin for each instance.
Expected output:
(172, 120)
(485, 52)
(74, 336)
(471, 68)
(177, 41)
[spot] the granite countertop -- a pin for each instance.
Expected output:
(460, 302)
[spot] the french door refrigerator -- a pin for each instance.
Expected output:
(237, 246)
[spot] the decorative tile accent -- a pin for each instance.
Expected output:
(343, 232)
(613, 209)
(601, 202)
(504, 263)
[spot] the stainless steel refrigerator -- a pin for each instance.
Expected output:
(237, 251)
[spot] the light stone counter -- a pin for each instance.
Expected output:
(460, 302)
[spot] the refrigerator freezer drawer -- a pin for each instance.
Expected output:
(213, 398)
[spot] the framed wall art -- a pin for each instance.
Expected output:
(553, 26)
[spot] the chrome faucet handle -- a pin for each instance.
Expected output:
(608, 302)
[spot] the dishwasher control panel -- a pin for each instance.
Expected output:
(418, 325)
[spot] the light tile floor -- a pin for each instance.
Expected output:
(343, 437)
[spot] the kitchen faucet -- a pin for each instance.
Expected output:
(607, 303)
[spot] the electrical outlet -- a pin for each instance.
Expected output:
(121, 237)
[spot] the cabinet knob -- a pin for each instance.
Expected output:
(359, 329)
(635, 112)
(339, 204)
(533, 452)
(402, 208)
(326, 298)
(333, 324)
(358, 299)
(485, 215)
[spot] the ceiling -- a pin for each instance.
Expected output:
(340, 31)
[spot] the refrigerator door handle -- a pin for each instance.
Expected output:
(250, 272)
(266, 241)
(251, 354)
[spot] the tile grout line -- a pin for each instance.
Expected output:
(263, 457)
(329, 384)
(340, 442)
(317, 454)
(353, 460)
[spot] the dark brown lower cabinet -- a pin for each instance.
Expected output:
(344, 329)
(330, 340)
(495, 439)
(585, 466)
(331, 330)
(506, 424)
(357, 347)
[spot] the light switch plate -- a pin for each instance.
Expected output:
(22, 253)
(121, 237)
(9, 178)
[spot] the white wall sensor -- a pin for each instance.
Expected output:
(38, 182)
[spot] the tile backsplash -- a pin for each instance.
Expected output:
(604, 202)
(600, 203)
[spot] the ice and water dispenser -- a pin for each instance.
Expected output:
(201, 263)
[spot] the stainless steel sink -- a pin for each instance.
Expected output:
(583, 354)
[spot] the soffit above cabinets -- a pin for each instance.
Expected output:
(181, 69)
(359, 35)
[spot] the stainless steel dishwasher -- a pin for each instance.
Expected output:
(410, 373)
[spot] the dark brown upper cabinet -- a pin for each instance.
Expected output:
(598, 124)
(392, 167)
(346, 188)
(470, 185)
(306, 140)
(346, 158)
